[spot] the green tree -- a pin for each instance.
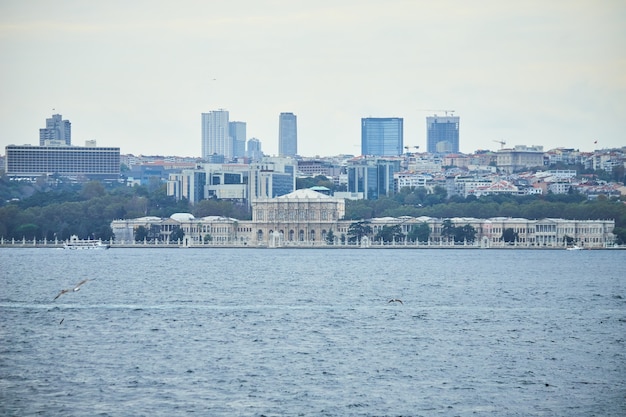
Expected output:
(419, 232)
(28, 230)
(141, 234)
(509, 235)
(447, 229)
(465, 233)
(357, 230)
(178, 234)
(330, 237)
(390, 234)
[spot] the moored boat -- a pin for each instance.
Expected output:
(76, 243)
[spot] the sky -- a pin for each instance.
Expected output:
(138, 74)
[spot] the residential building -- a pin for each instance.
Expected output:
(519, 158)
(216, 138)
(442, 134)
(91, 163)
(57, 132)
(287, 134)
(382, 136)
(411, 179)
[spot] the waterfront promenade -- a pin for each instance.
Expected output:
(24, 243)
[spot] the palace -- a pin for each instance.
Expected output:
(306, 218)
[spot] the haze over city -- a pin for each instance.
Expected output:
(138, 75)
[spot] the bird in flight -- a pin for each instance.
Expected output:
(75, 288)
(395, 300)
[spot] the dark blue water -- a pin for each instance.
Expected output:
(274, 332)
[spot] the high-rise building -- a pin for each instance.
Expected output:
(237, 132)
(372, 177)
(287, 134)
(215, 135)
(442, 134)
(254, 151)
(382, 136)
(56, 132)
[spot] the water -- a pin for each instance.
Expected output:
(280, 332)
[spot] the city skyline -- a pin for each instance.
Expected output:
(524, 73)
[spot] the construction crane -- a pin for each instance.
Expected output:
(437, 111)
(501, 142)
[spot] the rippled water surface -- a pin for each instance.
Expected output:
(274, 332)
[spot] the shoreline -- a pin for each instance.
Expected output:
(26, 245)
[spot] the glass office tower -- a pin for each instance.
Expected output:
(287, 134)
(442, 134)
(382, 136)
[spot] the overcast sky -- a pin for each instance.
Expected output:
(138, 74)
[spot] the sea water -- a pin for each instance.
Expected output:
(311, 332)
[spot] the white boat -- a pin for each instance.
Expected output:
(76, 243)
(575, 247)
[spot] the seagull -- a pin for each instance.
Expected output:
(76, 288)
(395, 300)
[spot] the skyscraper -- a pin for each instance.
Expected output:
(254, 151)
(56, 129)
(237, 131)
(442, 134)
(382, 136)
(215, 134)
(287, 134)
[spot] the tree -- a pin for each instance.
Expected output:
(568, 240)
(419, 233)
(447, 229)
(330, 237)
(141, 234)
(177, 234)
(509, 235)
(390, 234)
(357, 230)
(465, 233)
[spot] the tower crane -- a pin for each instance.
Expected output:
(501, 142)
(437, 111)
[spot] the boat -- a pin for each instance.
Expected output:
(75, 243)
(575, 247)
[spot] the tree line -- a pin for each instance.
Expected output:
(39, 210)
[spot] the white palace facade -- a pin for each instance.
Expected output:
(306, 217)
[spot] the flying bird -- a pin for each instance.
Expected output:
(395, 300)
(75, 288)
